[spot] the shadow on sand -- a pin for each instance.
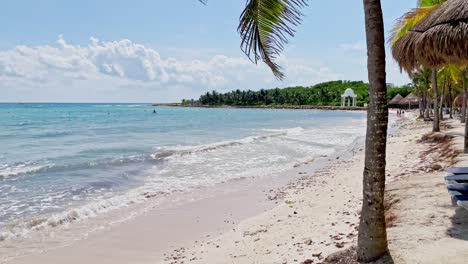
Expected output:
(459, 228)
(349, 256)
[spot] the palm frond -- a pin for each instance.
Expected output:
(264, 26)
(427, 3)
(408, 20)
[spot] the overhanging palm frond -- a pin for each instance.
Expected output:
(427, 3)
(408, 20)
(264, 26)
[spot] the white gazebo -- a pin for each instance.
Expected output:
(347, 96)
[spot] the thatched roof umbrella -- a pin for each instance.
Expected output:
(458, 101)
(403, 51)
(438, 39)
(409, 100)
(442, 36)
(396, 100)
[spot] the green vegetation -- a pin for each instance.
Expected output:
(323, 94)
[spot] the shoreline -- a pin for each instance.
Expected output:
(211, 217)
(309, 213)
(291, 107)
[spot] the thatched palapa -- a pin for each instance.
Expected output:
(396, 100)
(403, 52)
(409, 101)
(443, 37)
(438, 39)
(458, 101)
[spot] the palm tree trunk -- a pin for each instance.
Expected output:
(435, 126)
(421, 106)
(442, 98)
(372, 239)
(421, 102)
(450, 100)
(428, 105)
(463, 116)
(464, 76)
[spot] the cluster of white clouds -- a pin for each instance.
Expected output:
(126, 71)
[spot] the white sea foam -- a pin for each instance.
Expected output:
(10, 170)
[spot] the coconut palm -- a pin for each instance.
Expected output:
(264, 27)
(421, 82)
(403, 41)
(450, 76)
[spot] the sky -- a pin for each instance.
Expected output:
(163, 51)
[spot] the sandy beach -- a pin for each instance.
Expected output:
(303, 217)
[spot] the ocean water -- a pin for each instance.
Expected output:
(61, 163)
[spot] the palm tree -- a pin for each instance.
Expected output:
(372, 239)
(264, 27)
(450, 76)
(403, 25)
(421, 82)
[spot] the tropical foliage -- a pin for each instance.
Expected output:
(328, 93)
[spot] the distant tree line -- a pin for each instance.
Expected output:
(328, 93)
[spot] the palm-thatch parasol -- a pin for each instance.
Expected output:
(396, 100)
(443, 35)
(438, 39)
(403, 50)
(410, 100)
(458, 101)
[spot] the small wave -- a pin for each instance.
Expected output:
(26, 168)
(188, 150)
(20, 168)
(119, 105)
(90, 210)
(288, 131)
(53, 134)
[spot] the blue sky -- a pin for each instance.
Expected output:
(161, 51)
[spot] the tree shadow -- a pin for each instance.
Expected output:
(349, 256)
(459, 228)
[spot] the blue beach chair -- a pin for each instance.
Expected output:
(458, 170)
(457, 185)
(456, 178)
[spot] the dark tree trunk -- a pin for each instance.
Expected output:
(428, 105)
(421, 107)
(442, 98)
(435, 126)
(463, 115)
(421, 103)
(450, 100)
(464, 76)
(372, 239)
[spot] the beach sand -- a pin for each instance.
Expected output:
(314, 214)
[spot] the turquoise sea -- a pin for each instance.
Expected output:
(94, 158)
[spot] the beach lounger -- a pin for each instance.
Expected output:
(459, 178)
(457, 185)
(461, 198)
(458, 170)
(460, 188)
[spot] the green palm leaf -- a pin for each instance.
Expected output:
(264, 26)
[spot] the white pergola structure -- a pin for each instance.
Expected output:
(348, 98)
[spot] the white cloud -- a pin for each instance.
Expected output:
(123, 70)
(353, 46)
